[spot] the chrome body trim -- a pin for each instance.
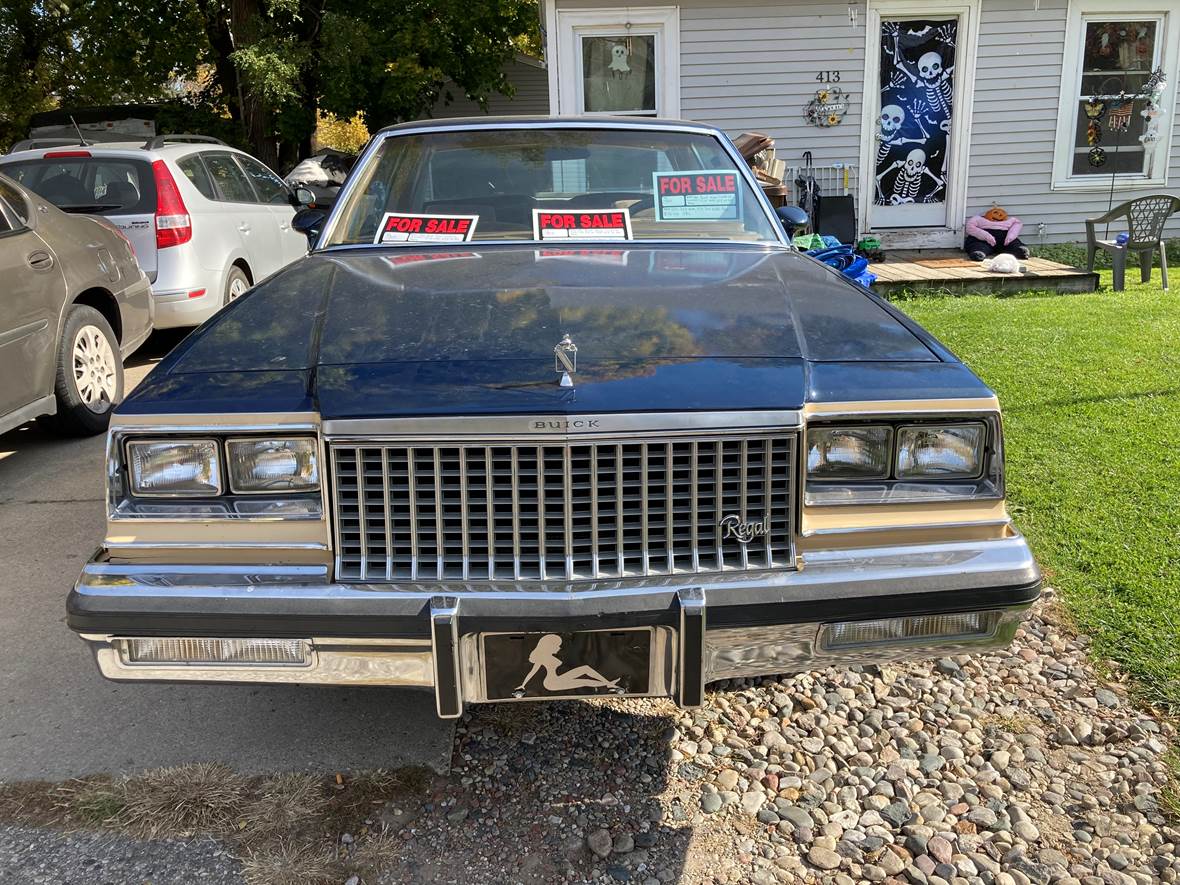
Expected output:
(741, 652)
(700, 650)
(826, 574)
(331, 662)
(740, 166)
(541, 429)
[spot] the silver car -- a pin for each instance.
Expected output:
(206, 221)
(73, 305)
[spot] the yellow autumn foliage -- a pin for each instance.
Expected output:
(343, 135)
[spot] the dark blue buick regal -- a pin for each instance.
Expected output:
(551, 410)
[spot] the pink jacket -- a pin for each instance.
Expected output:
(978, 226)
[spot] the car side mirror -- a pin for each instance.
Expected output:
(792, 218)
(308, 222)
(302, 196)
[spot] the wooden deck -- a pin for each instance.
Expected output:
(951, 271)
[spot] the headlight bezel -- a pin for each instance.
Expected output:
(987, 483)
(125, 503)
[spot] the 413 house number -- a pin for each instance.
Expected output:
(828, 77)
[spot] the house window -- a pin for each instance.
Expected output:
(619, 74)
(1105, 125)
(615, 61)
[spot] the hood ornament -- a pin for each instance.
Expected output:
(565, 360)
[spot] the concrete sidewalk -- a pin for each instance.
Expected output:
(59, 718)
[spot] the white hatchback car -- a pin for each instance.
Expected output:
(206, 221)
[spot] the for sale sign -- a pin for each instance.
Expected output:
(411, 227)
(708, 195)
(581, 224)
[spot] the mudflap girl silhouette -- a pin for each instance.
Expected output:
(544, 656)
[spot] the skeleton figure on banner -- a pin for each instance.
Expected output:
(917, 104)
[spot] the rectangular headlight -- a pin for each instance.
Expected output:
(849, 452)
(273, 465)
(940, 452)
(170, 468)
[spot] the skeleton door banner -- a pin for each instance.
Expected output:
(917, 95)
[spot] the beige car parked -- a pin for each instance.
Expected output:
(73, 304)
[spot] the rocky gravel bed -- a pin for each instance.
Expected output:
(1005, 768)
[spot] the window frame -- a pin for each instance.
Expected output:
(564, 47)
(1080, 13)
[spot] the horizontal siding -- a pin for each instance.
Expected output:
(752, 67)
(531, 98)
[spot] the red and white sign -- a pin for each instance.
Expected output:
(708, 195)
(410, 227)
(581, 224)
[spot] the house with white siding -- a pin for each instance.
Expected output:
(933, 110)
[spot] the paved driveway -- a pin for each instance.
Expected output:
(59, 718)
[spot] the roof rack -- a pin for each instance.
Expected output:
(157, 141)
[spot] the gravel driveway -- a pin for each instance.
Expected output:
(1005, 768)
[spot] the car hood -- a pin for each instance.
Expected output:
(378, 332)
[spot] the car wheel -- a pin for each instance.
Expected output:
(89, 380)
(236, 285)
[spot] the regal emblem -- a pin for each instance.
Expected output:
(731, 526)
(565, 360)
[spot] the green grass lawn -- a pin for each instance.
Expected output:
(1090, 387)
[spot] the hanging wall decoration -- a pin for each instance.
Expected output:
(827, 108)
(1153, 109)
(1095, 108)
(1093, 133)
(1096, 157)
(1119, 118)
(917, 95)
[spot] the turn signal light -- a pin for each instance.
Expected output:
(948, 628)
(267, 652)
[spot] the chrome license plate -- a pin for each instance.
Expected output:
(583, 663)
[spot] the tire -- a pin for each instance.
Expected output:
(89, 382)
(236, 285)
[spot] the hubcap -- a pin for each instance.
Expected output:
(94, 369)
(237, 286)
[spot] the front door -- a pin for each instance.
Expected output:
(917, 81)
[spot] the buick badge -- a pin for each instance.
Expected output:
(731, 526)
(565, 360)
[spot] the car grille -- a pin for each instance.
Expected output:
(562, 511)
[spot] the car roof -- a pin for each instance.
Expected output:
(123, 149)
(596, 121)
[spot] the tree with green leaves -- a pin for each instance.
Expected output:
(255, 70)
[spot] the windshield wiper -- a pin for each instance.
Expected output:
(96, 207)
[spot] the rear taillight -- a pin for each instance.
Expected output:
(57, 155)
(173, 225)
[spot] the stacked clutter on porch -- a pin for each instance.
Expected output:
(825, 193)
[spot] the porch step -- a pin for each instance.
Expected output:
(949, 270)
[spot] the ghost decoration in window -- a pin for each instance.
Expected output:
(618, 61)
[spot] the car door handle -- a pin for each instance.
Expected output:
(284, 226)
(39, 260)
(244, 228)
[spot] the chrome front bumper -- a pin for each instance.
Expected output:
(715, 626)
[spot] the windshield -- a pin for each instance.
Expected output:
(550, 184)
